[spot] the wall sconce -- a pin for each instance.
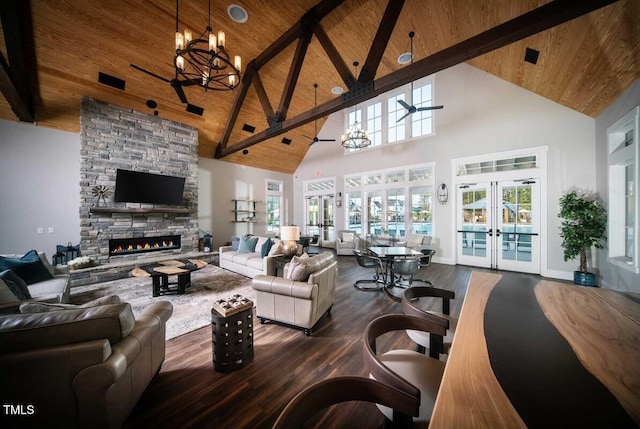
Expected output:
(442, 194)
(339, 200)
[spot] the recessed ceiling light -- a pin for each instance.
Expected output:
(237, 13)
(404, 58)
(337, 90)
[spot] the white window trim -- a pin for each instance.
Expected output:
(616, 212)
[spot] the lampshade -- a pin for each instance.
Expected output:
(290, 233)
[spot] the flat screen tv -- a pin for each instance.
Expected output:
(139, 187)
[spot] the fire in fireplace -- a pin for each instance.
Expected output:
(127, 246)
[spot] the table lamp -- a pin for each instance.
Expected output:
(289, 235)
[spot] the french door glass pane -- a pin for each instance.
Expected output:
(374, 212)
(421, 200)
(354, 202)
(395, 212)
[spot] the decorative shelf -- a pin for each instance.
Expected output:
(139, 210)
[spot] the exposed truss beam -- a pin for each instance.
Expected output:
(302, 30)
(15, 70)
(540, 19)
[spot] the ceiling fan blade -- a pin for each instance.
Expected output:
(326, 140)
(405, 105)
(178, 87)
(405, 115)
(150, 73)
(422, 109)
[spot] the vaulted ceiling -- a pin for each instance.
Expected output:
(584, 64)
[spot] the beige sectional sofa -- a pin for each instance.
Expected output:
(250, 264)
(303, 296)
(81, 367)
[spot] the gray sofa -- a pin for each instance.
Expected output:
(56, 289)
(249, 264)
(301, 299)
(80, 368)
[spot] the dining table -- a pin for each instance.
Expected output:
(388, 254)
(535, 353)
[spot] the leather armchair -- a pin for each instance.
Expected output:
(301, 299)
(80, 368)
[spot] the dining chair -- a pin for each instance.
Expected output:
(367, 260)
(407, 370)
(435, 344)
(331, 391)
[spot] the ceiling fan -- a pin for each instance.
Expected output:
(411, 109)
(315, 138)
(175, 83)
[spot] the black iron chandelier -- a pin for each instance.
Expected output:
(204, 61)
(355, 137)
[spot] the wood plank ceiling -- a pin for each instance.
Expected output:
(584, 64)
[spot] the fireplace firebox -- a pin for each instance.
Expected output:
(127, 246)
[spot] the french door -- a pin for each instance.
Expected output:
(320, 214)
(498, 225)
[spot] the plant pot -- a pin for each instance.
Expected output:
(584, 279)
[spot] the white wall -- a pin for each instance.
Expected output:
(219, 183)
(482, 114)
(613, 276)
(39, 187)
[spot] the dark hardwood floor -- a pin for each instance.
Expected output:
(189, 393)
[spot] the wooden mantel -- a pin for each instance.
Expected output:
(133, 210)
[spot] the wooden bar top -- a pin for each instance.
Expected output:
(601, 326)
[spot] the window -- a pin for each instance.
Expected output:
(623, 195)
(392, 201)
(274, 206)
(395, 129)
(421, 124)
(385, 119)
(374, 123)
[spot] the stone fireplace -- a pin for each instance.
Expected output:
(111, 138)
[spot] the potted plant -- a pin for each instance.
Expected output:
(584, 225)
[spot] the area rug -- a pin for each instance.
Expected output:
(190, 311)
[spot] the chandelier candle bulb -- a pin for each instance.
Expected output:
(232, 80)
(238, 62)
(205, 78)
(221, 39)
(180, 62)
(213, 43)
(188, 36)
(179, 40)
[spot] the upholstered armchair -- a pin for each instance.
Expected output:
(417, 242)
(83, 367)
(302, 296)
(347, 241)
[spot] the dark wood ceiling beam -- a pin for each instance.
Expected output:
(264, 99)
(542, 18)
(315, 15)
(237, 103)
(294, 74)
(381, 40)
(16, 74)
(338, 62)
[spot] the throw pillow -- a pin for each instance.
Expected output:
(276, 248)
(235, 242)
(347, 237)
(43, 307)
(248, 245)
(6, 295)
(266, 247)
(29, 267)
(297, 268)
(16, 284)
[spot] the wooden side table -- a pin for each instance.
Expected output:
(232, 339)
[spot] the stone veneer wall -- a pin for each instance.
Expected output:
(112, 137)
